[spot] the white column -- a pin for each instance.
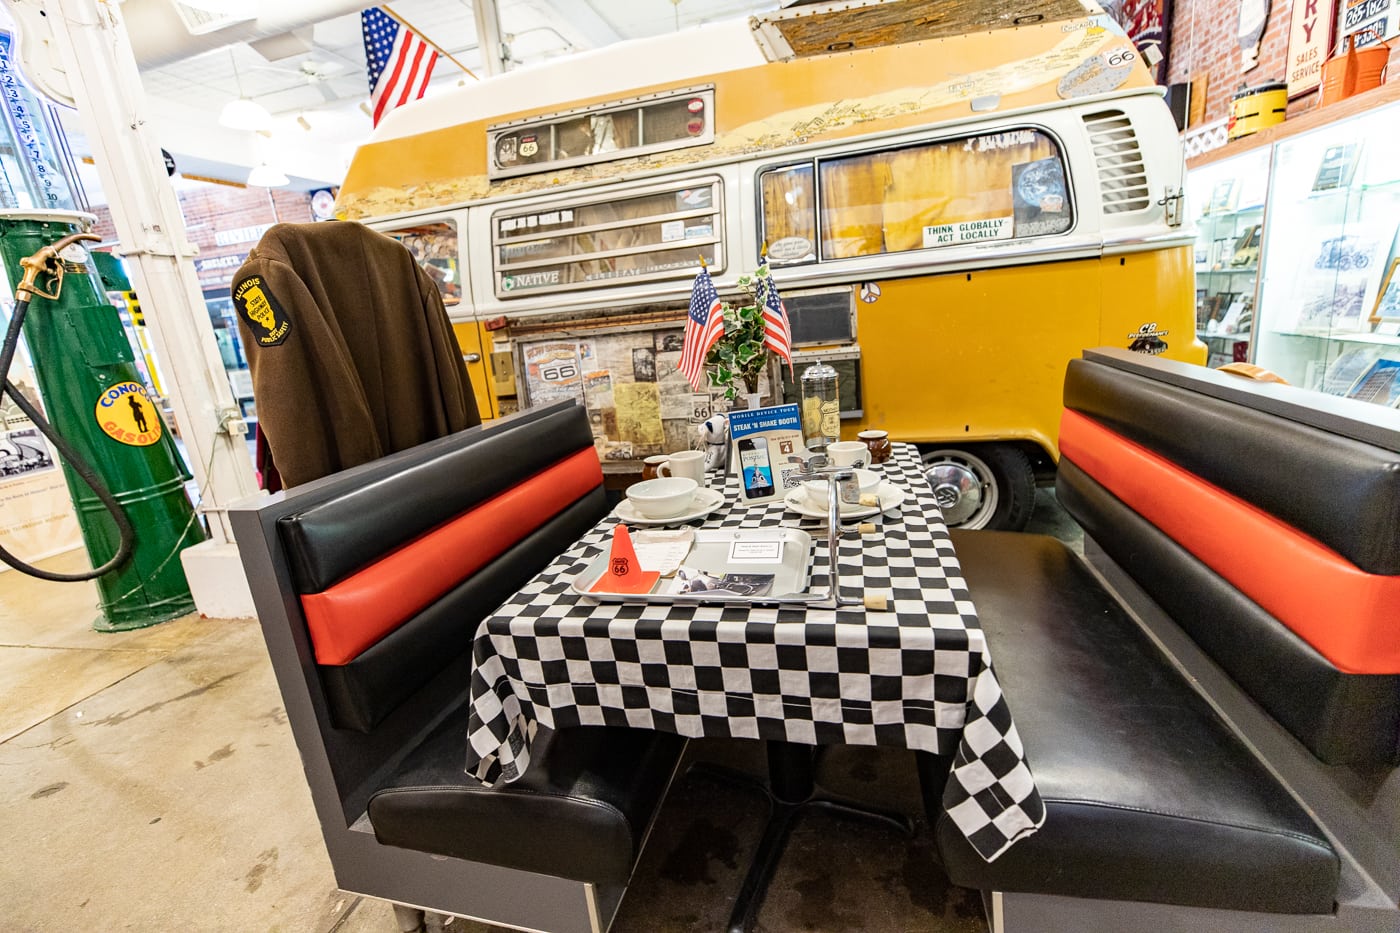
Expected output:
(488, 36)
(93, 49)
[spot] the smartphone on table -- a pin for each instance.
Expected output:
(755, 469)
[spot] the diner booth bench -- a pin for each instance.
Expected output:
(369, 585)
(1210, 705)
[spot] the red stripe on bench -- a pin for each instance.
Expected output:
(355, 613)
(1351, 617)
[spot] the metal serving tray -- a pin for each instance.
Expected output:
(711, 553)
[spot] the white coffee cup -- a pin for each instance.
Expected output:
(848, 454)
(687, 463)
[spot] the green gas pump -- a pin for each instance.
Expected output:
(121, 464)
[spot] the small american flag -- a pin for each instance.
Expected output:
(777, 336)
(703, 326)
(399, 62)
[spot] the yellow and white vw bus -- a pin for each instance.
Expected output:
(953, 208)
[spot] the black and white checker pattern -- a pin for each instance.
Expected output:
(916, 676)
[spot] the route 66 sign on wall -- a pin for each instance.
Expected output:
(552, 371)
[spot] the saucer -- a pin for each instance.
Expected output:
(891, 497)
(705, 502)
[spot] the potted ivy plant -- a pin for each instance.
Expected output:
(737, 359)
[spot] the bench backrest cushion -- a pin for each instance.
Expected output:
(1273, 542)
(394, 576)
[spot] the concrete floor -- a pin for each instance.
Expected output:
(150, 783)
(149, 779)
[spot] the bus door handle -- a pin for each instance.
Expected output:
(472, 357)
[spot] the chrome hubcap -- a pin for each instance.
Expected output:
(957, 489)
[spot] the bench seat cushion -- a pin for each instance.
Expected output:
(1149, 796)
(581, 811)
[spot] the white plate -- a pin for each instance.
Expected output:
(891, 497)
(705, 502)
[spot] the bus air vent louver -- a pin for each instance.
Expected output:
(1122, 174)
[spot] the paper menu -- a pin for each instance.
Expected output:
(663, 551)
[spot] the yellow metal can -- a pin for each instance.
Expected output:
(1254, 108)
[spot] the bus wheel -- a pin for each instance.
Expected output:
(992, 488)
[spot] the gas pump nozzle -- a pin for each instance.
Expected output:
(46, 261)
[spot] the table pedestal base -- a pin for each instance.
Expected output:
(791, 789)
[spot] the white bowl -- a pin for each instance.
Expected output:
(816, 489)
(662, 498)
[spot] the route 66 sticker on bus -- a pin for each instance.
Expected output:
(552, 372)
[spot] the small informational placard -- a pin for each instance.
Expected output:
(762, 441)
(756, 552)
(968, 231)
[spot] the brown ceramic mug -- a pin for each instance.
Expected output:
(651, 466)
(878, 443)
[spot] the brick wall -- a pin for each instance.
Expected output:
(1204, 40)
(227, 213)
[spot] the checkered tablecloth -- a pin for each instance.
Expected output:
(916, 676)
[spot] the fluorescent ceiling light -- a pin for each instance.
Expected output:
(265, 176)
(244, 114)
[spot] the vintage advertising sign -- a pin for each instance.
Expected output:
(1309, 39)
(1370, 21)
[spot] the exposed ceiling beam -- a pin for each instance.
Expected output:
(159, 37)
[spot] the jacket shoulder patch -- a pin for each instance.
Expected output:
(264, 315)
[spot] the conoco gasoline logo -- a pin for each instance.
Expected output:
(128, 416)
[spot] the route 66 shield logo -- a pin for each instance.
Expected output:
(529, 145)
(619, 566)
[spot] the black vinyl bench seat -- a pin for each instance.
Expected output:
(370, 585)
(1149, 796)
(583, 814)
(1210, 704)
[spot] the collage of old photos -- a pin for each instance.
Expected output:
(638, 401)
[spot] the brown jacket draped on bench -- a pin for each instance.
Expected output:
(351, 351)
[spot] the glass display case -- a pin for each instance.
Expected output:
(1330, 296)
(1228, 201)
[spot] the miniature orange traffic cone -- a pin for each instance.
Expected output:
(624, 573)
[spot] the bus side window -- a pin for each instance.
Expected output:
(995, 186)
(789, 214)
(434, 247)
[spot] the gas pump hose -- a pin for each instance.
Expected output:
(46, 261)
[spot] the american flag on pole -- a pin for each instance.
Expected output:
(399, 62)
(777, 335)
(703, 326)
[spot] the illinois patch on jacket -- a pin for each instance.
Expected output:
(261, 310)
